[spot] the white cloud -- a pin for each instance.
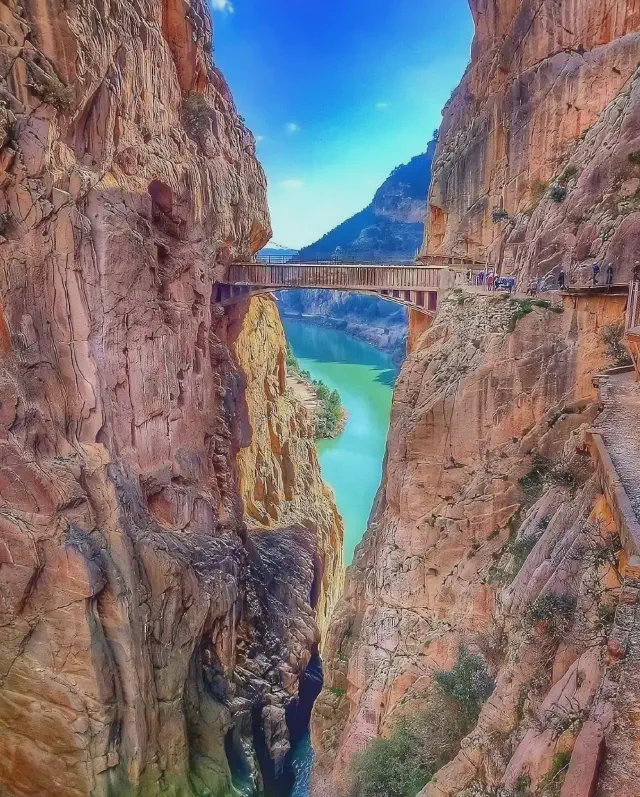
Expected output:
(381, 106)
(292, 185)
(292, 127)
(223, 5)
(259, 139)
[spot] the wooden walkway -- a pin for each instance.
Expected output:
(417, 286)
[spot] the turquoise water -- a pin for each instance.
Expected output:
(352, 463)
(302, 765)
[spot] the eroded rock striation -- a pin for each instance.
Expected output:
(537, 167)
(278, 471)
(501, 524)
(487, 459)
(149, 642)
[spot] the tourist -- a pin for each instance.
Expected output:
(596, 270)
(610, 274)
(490, 281)
(561, 281)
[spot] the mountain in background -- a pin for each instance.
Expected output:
(277, 250)
(392, 225)
(273, 246)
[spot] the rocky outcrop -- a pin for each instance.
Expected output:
(493, 527)
(278, 471)
(543, 129)
(486, 456)
(149, 643)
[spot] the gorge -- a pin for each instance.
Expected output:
(172, 564)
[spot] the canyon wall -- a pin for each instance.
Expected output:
(278, 471)
(494, 529)
(150, 643)
(486, 451)
(538, 161)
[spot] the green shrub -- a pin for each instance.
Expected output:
(558, 193)
(519, 549)
(634, 157)
(427, 737)
(50, 89)
(567, 174)
(468, 684)
(337, 691)
(498, 215)
(612, 337)
(556, 611)
(196, 115)
(4, 223)
(393, 767)
(551, 783)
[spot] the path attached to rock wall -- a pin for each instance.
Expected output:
(618, 425)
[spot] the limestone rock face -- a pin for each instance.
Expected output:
(278, 471)
(487, 394)
(551, 97)
(149, 643)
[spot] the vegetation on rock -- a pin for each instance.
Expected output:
(558, 193)
(612, 337)
(331, 416)
(427, 736)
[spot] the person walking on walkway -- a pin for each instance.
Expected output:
(561, 281)
(610, 274)
(596, 270)
(490, 281)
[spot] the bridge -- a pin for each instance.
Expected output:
(416, 286)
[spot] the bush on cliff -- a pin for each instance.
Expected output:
(427, 736)
(331, 415)
(612, 337)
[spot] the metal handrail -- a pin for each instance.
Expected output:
(633, 307)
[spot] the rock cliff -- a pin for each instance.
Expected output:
(278, 472)
(149, 642)
(538, 163)
(496, 526)
(486, 469)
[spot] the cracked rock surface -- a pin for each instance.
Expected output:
(551, 97)
(485, 395)
(149, 642)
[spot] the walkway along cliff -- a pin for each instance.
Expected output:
(168, 552)
(502, 523)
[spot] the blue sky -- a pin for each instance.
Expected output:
(338, 93)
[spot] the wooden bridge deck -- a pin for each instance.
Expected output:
(415, 285)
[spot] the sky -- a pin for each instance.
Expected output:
(338, 93)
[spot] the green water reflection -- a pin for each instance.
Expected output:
(364, 377)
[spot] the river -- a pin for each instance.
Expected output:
(364, 377)
(352, 463)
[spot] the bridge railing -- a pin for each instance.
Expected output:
(633, 307)
(336, 275)
(282, 260)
